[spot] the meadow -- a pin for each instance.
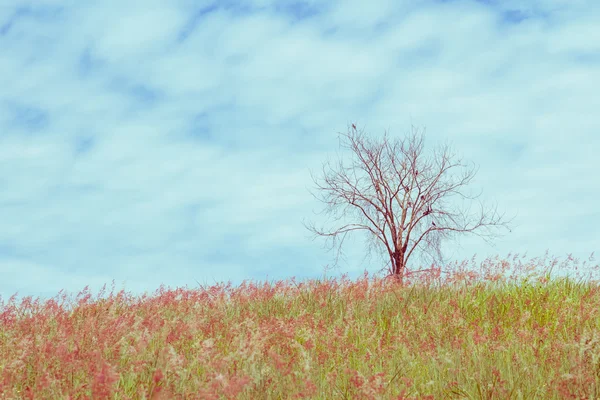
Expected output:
(502, 329)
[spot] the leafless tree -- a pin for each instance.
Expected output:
(399, 197)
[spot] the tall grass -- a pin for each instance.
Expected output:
(478, 333)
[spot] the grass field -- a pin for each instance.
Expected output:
(504, 330)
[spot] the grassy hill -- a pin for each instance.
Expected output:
(470, 335)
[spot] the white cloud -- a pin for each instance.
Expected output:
(156, 143)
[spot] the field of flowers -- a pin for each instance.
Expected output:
(503, 329)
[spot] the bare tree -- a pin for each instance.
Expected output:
(396, 195)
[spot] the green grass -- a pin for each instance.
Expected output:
(488, 335)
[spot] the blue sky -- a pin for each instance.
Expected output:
(169, 142)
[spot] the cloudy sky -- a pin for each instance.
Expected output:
(170, 142)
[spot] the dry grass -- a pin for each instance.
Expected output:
(485, 335)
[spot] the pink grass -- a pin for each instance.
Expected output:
(502, 329)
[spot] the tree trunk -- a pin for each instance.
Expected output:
(398, 265)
